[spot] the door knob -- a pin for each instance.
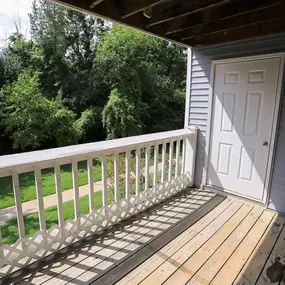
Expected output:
(265, 143)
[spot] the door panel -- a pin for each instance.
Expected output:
(243, 107)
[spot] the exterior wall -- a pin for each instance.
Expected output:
(199, 71)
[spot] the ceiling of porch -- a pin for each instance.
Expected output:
(192, 23)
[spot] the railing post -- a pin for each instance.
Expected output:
(75, 189)
(138, 170)
(58, 194)
(104, 182)
(190, 155)
(18, 204)
(116, 177)
(127, 162)
(90, 183)
(1, 249)
(40, 199)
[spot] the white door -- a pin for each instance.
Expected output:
(243, 108)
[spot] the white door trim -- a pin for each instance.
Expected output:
(273, 138)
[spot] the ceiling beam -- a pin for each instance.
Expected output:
(94, 3)
(132, 7)
(253, 30)
(251, 17)
(186, 8)
(226, 11)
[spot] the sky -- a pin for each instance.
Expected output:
(11, 10)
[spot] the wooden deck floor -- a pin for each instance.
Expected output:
(198, 238)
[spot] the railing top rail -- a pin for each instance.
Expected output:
(8, 162)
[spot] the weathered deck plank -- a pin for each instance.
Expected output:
(254, 264)
(192, 265)
(196, 239)
(167, 268)
(145, 228)
(217, 260)
(235, 263)
(273, 269)
(150, 265)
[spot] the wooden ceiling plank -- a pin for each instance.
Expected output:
(132, 7)
(254, 30)
(95, 3)
(226, 11)
(249, 18)
(184, 11)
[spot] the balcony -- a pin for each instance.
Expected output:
(137, 173)
(152, 228)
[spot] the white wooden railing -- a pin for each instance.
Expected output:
(172, 152)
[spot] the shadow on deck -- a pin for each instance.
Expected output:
(193, 238)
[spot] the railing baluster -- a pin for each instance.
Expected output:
(1, 249)
(116, 177)
(75, 189)
(104, 181)
(177, 158)
(183, 156)
(90, 183)
(163, 162)
(170, 160)
(17, 195)
(58, 194)
(40, 199)
(127, 174)
(146, 168)
(155, 165)
(138, 170)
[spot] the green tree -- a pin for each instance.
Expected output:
(33, 121)
(120, 116)
(149, 75)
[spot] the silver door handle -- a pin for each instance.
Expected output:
(265, 143)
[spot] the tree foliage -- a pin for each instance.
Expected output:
(80, 79)
(33, 120)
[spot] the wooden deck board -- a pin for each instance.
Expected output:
(197, 239)
(78, 263)
(254, 264)
(150, 265)
(192, 265)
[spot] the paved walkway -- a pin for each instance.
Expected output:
(29, 207)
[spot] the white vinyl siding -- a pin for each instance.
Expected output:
(200, 64)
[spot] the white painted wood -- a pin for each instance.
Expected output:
(71, 230)
(138, 171)
(40, 200)
(18, 204)
(26, 161)
(75, 189)
(243, 108)
(146, 186)
(155, 165)
(188, 87)
(190, 155)
(104, 180)
(58, 194)
(1, 249)
(273, 143)
(127, 175)
(183, 156)
(177, 158)
(116, 177)
(163, 162)
(170, 152)
(90, 183)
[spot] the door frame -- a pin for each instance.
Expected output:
(275, 121)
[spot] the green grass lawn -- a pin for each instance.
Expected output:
(27, 182)
(9, 230)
